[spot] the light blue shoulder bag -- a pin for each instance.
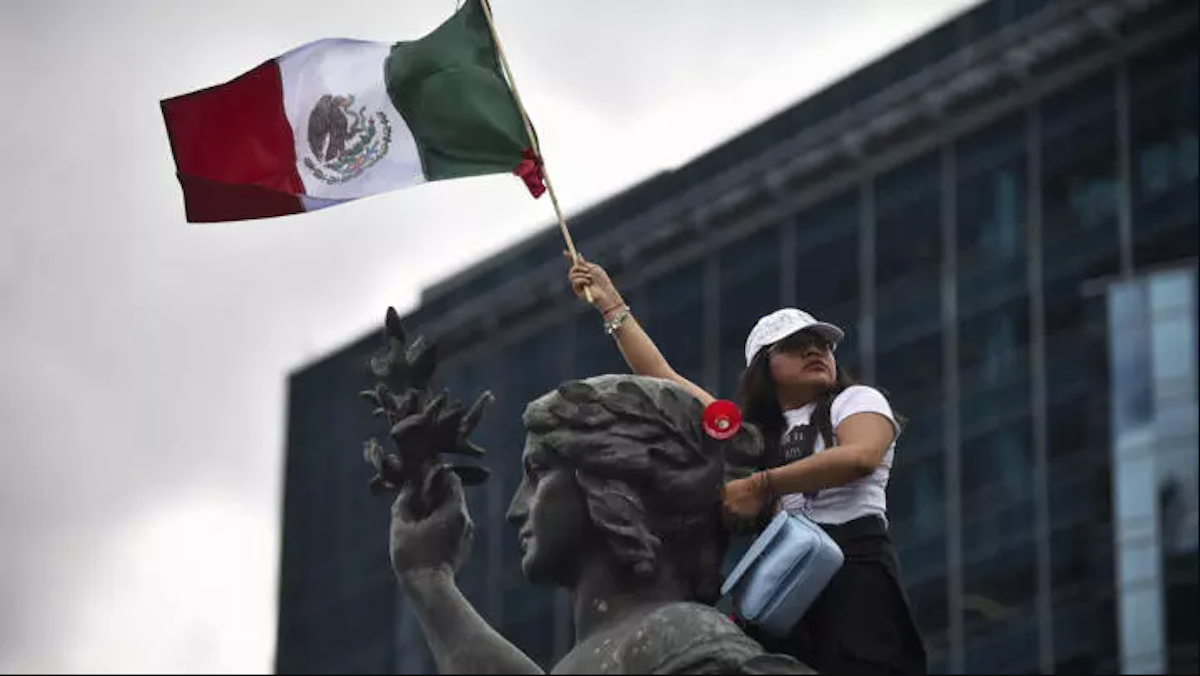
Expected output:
(782, 573)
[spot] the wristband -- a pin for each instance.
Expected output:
(767, 487)
(611, 326)
(604, 312)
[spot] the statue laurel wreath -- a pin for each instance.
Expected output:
(403, 398)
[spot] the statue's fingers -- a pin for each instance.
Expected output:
(392, 325)
(395, 367)
(430, 480)
(392, 467)
(471, 420)
(471, 475)
(468, 448)
(433, 410)
(405, 404)
(451, 415)
(422, 419)
(378, 363)
(379, 485)
(422, 361)
(404, 427)
(373, 453)
(443, 491)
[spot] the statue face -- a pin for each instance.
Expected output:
(549, 511)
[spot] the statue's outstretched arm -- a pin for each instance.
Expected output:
(431, 529)
(426, 552)
(460, 640)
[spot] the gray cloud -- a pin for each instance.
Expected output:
(142, 359)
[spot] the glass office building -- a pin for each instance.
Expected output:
(990, 211)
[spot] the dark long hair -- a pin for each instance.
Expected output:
(759, 400)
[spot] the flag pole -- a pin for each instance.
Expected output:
(562, 221)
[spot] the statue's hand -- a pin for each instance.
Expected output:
(440, 538)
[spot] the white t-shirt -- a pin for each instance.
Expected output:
(861, 497)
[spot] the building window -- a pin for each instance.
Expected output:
(1163, 112)
(1079, 181)
(991, 210)
(673, 314)
(750, 286)
(827, 261)
(826, 268)
(908, 234)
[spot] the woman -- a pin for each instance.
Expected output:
(829, 450)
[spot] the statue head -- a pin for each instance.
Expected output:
(619, 467)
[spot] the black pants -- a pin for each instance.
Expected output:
(861, 623)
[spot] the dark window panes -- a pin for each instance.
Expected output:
(1079, 181)
(1082, 492)
(336, 605)
(997, 489)
(997, 468)
(1078, 434)
(902, 318)
(908, 227)
(1183, 621)
(673, 315)
(929, 604)
(1077, 368)
(908, 239)
(1081, 541)
(1021, 8)
(1163, 112)
(1085, 636)
(991, 210)
(912, 375)
(999, 593)
(1005, 644)
(827, 261)
(991, 147)
(993, 348)
(750, 286)
(917, 507)
(991, 218)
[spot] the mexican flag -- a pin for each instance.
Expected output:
(339, 119)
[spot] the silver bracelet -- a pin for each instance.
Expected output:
(611, 326)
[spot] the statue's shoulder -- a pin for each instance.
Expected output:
(692, 638)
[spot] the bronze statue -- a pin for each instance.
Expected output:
(620, 504)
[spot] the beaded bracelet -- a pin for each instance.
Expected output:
(611, 326)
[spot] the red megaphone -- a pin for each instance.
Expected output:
(722, 419)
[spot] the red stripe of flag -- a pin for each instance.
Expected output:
(233, 149)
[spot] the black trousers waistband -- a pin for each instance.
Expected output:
(865, 538)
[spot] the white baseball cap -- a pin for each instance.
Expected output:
(782, 323)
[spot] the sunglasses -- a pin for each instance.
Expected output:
(798, 343)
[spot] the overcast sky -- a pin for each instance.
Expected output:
(142, 359)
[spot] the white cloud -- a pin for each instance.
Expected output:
(187, 587)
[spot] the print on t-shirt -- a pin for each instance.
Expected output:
(797, 445)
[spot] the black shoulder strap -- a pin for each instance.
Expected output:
(823, 417)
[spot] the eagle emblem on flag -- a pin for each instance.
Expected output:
(344, 142)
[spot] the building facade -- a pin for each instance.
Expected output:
(971, 208)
